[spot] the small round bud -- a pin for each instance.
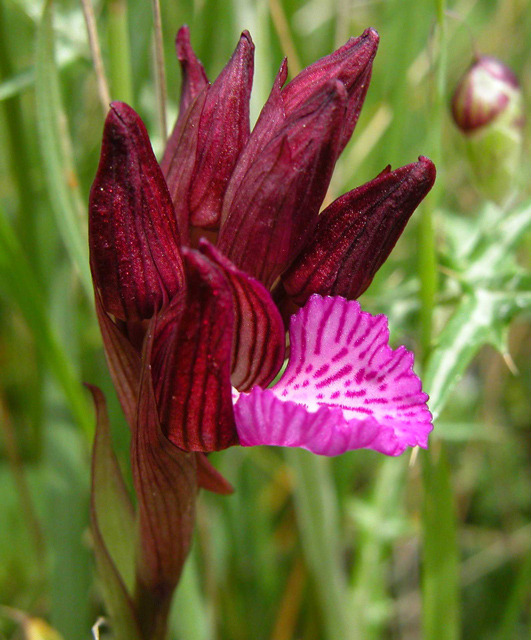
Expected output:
(487, 107)
(483, 94)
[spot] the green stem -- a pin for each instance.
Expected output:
(318, 518)
(440, 553)
(119, 52)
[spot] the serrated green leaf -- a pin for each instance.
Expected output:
(498, 247)
(56, 151)
(480, 319)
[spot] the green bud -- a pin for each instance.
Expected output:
(487, 107)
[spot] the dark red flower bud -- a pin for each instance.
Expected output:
(356, 233)
(351, 65)
(133, 235)
(270, 210)
(215, 138)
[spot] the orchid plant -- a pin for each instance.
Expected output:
(202, 264)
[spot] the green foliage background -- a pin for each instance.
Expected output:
(355, 548)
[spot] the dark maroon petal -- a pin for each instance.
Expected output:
(192, 358)
(267, 219)
(198, 172)
(351, 65)
(259, 337)
(209, 478)
(179, 161)
(223, 132)
(133, 235)
(194, 78)
(123, 362)
(356, 233)
(166, 488)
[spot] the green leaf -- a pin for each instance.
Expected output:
(498, 247)
(113, 529)
(17, 84)
(56, 151)
(479, 319)
(112, 508)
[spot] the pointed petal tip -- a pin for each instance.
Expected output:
(182, 41)
(123, 116)
(428, 168)
(246, 37)
(372, 35)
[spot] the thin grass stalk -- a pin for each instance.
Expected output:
(95, 50)
(281, 24)
(160, 70)
(119, 52)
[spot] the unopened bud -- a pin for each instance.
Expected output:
(487, 107)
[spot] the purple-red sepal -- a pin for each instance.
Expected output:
(351, 64)
(133, 235)
(356, 233)
(166, 487)
(208, 138)
(194, 77)
(191, 361)
(271, 207)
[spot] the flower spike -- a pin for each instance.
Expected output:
(356, 233)
(133, 235)
(344, 388)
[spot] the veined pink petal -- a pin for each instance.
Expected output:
(344, 388)
(259, 337)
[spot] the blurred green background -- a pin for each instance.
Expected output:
(434, 546)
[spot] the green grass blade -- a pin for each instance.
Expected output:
(318, 518)
(56, 151)
(20, 284)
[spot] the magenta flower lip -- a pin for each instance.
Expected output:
(190, 328)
